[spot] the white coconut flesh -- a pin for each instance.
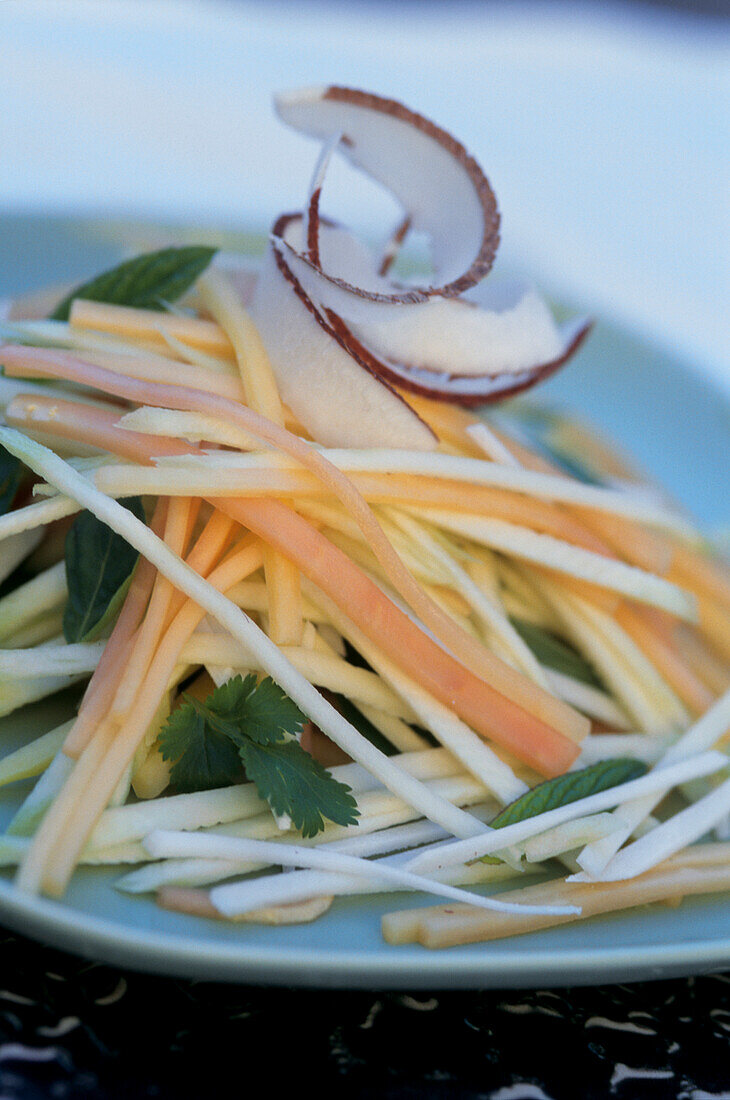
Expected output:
(342, 334)
(440, 186)
(335, 397)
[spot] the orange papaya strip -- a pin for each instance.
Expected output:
(482, 706)
(41, 362)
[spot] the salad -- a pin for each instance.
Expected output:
(331, 606)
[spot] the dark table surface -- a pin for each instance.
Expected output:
(70, 1028)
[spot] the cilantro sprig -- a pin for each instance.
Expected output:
(246, 729)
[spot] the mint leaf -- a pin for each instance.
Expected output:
(245, 727)
(565, 789)
(204, 758)
(554, 653)
(147, 281)
(293, 783)
(99, 567)
(11, 475)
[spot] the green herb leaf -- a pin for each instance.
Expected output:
(99, 567)
(554, 653)
(11, 475)
(247, 727)
(147, 281)
(204, 758)
(293, 783)
(565, 789)
(356, 718)
(262, 712)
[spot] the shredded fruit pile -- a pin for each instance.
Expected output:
(328, 619)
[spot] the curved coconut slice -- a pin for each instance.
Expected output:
(510, 328)
(464, 389)
(312, 219)
(456, 337)
(479, 389)
(488, 354)
(441, 187)
(343, 338)
(331, 391)
(393, 246)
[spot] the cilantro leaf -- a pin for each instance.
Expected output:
(247, 728)
(261, 712)
(204, 758)
(147, 281)
(564, 789)
(271, 714)
(293, 783)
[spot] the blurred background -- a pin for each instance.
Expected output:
(603, 127)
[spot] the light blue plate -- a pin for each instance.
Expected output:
(678, 427)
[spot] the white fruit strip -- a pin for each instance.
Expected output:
(16, 693)
(378, 809)
(16, 549)
(233, 900)
(381, 836)
(297, 885)
(202, 809)
(656, 781)
(36, 515)
(60, 334)
(453, 734)
(454, 467)
(671, 836)
(492, 446)
(35, 757)
(624, 668)
(607, 746)
(563, 838)
(195, 427)
(50, 660)
(45, 592)
(307, 698)
(587, 699)
(30, 813)
(509, 538)
(12, 850)
(486, 610)
(10, 388)
(705, 733)
(197, 357)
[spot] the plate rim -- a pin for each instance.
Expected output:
(71, 928)
(141, 950)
